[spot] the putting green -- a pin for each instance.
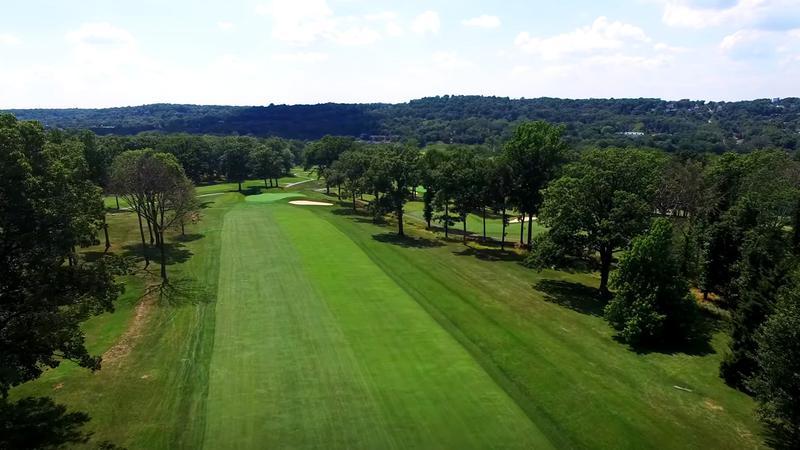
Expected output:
(316, 347)
(272, 197)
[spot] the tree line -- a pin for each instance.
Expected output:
(666, 232)
(674, 126)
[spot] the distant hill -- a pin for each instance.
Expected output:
(685, 125)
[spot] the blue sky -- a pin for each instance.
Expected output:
(92, 53)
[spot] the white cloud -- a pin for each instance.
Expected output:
(9, 39)
(100, 34)
(302, 57)
(762, 14)
(482, 21)
(302, 22)
(450, 61)
(226, 26)
(754, 44)
(427, 22)
(101, 45)
(603, 34)
(298, 21)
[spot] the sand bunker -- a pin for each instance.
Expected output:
(309, 203)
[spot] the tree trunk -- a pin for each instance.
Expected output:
(277, 183)
(354, 202)
(240, 186)
(116, 197)
(105, 234)
(522, 230)
(265, 183)
(339, 193)
(327, 188)
(503, 237)
(446, 220)
(530, 229)
(163, 259)
(144, 244)
(464, 222)
(400, 222)
(484, 223)
(183, 228)
(605, 269)
(150, 231)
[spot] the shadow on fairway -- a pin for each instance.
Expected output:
(406, 241)
(575, 296)
(490, 254)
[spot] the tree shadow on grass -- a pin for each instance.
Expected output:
(189, 237)
(175, 252)
(180, 291)
(38, 422)
(490, 254)
(698, 343)
(575, 296)
(406, 241)
(359, 216)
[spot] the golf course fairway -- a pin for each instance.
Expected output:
(316, 347)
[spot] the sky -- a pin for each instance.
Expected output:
(102, 53)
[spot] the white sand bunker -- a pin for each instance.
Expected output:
(309, 203)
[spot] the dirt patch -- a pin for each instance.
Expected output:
(58, 386)
(116, 354)
(712, 405)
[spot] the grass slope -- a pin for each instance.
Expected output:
(316, 347)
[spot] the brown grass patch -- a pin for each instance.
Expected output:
(117, 353)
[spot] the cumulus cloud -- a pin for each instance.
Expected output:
(450, 61)
(301, 57)
(226, 26)
(483, 21)
(760, 14)
(755, 44)
(9, 39)
(302, 22)
(601, 35)
(427, 22)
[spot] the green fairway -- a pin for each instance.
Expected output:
(272, 197)
(310, 327)
(306, 357)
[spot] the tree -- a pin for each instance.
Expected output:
(765, 267)
(652, 303)
(776, 384)
(322, 153)
(498, 191)
(353, 165)
(236, 160)
(269, 161)
(534, 154)
(155, 185)
(601, 203)
(393, 173)
(429, 164)
(48, 207)
(461, 185)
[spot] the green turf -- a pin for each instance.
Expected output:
(311, 328)
(272, 197)
(306, 357)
